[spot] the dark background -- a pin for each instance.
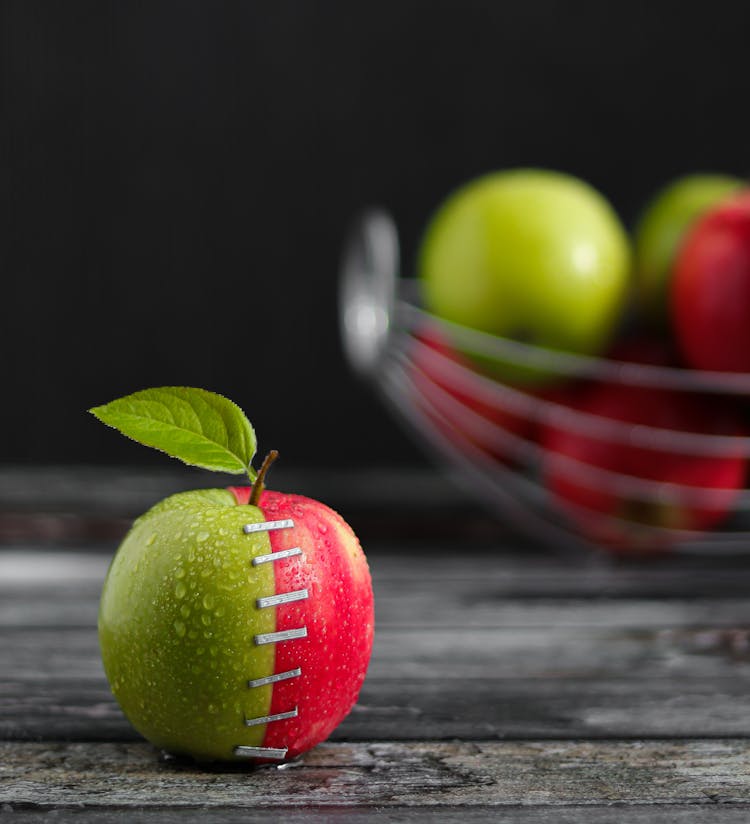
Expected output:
(178, 178)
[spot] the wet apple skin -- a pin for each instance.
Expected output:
(178, 617)
(176, 625)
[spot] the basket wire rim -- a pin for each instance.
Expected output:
(518, 402)
(569, 364)
(370, 275)
(486, 476)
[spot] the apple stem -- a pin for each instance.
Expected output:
(259, 485)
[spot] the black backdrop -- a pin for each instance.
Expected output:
(178, 177)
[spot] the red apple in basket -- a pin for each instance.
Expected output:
(710, 296)
(599, 481)
(463, 403)
(235, 624)
(662, 228)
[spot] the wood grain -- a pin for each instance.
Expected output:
(387, 774)
(503, 687)
(709, 812)
(453, 657)
(68, 710)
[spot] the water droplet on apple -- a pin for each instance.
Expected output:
(151, 539)
(179, 628)
(180, 590)
(185, 610)
(213, 709)
(179, 572)
(202, 536)
(206, 620)
(322, 528)
(219, 612)
(213, 650)
(208, 601)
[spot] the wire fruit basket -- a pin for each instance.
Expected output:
(654, 459)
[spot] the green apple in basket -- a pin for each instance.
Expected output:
(237, 623)
(535, 256)
(661, 230)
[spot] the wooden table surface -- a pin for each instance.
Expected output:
(507, 683)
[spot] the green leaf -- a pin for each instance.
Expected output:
(199, 427)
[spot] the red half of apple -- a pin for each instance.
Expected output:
(320, 673)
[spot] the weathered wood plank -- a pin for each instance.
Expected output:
(59, 589)
(471, 644)
(547, 708)
(65, 709)
(437, 605)
(506, 573)
(445, 654)
(705, 813)
(386, 774)
(63, 505)
(493, 573)
(555, 652)
(447, 662)
(118, 489)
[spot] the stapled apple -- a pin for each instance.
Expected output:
(234, 624)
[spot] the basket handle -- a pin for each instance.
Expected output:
(367, 289)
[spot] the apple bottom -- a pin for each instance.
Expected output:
(338, 617)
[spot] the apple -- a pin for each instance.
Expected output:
(710, 292)
(234, 624)
(461, 402)
(601, 482)
(661, 229)
(532, 255)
